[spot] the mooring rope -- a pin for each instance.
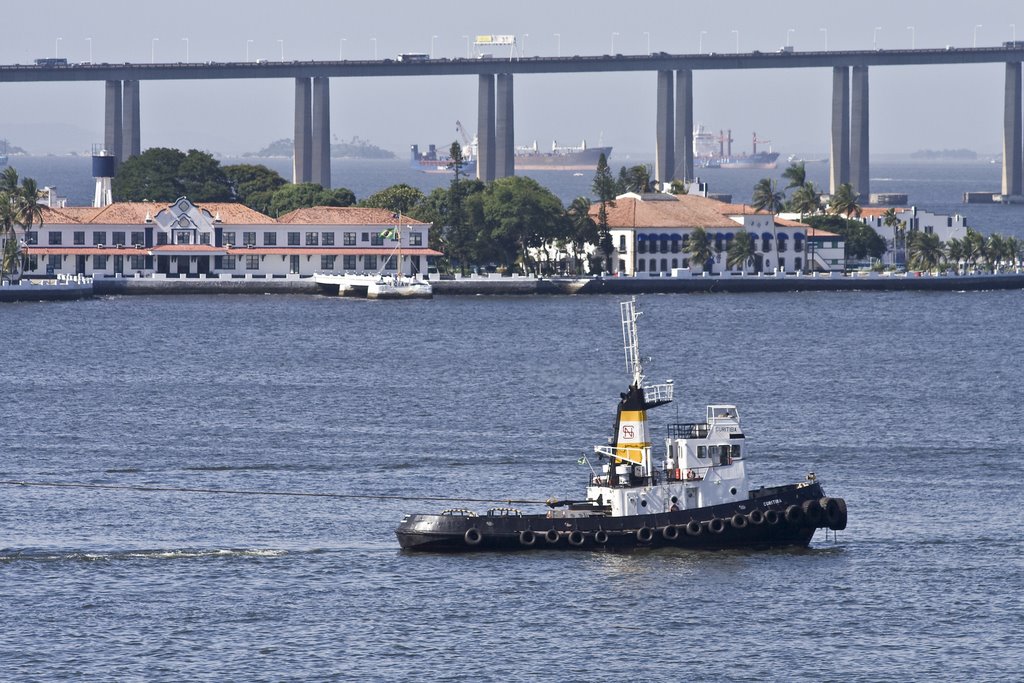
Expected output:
(252, 492)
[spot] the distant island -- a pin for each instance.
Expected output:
(948, 154)
(13, 150)
(355, 148)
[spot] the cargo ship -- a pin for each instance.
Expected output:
(711, 151)
(581, 158)
(432, 162)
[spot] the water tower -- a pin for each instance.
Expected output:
(103, 165)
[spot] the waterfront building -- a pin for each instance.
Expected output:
(650, 234)
(912, 219)
(223, 240)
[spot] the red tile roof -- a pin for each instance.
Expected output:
(344, 215)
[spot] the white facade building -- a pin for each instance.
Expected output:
(915, 220)
(223, 239)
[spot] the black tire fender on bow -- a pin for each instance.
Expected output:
(473, 536)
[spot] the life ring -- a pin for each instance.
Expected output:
(527, 537)
(716, 525)
(576, 537)
(755, 517)
(812, 512)
(552, 536)
(794, 514)
(690, 474)
(693, 528)
(670, 532)
(739, 521)
(644, 534)
(601, 537)
(473, 536)
(772, 517)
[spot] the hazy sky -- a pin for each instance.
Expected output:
(911, 107)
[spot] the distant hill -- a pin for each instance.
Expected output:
(13, 150)
(355, 148)
(941, 154)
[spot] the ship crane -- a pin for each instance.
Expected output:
(468, 146)
(763, 142)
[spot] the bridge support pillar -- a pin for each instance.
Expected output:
(486, 142)
(321, 143)
(664, 156)
(131, 142)
(839, 159)
(302, 159)
(505, 151)
(860, 174)
(112, 125)
(1012, 147)
(684, 125)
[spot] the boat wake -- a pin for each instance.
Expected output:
(44, 556)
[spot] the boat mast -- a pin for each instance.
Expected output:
(631, 341)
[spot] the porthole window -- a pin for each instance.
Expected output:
(675, 499)
(733, 490)
(643, 503)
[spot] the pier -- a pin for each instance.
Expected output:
(673, 92)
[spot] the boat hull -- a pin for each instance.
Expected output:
(765, 520)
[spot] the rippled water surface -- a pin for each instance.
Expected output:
(906, 404)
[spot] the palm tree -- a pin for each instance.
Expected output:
(701, 248)
(19, 208)
(925, 251)
(995, 251)
(584, 229)
(892, 220)
(741, 251)
(806, 199)
(974, 246)
(796, 174)
(1014, 247)
(844, 202)
(956, 252)
(767, 197)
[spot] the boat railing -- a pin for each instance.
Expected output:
(658, 393)
(688, 430)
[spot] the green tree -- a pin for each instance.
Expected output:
(974, 246)
(253, 183)
(767, 197)
(899, 229)
(956, 253)
(806, 200)
(701, 248)
(152, 175)
(796, 174)
(860, 240)
(844, 202)
(401, 198)
(605, 188)
(202, 179)
(306, 195)
(925, 251)
(1014, 248)
(634, 179)
(19, 208)
(584, 230)
(521, 215)
(742, 251)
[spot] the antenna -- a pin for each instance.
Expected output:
(630, 341)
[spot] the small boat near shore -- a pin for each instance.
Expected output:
(696, 496)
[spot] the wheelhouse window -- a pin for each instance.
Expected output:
(702, 451)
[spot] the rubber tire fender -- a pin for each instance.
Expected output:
(716, 525)
(576, 537)
(755, 517)
(644, 534)
(772, 517)
(693, 528)
(670, 532)
(552, 536)
(738, 521)
(601, 537)
(813, 514)
(527, 538)
(473, 536)
(794, 514)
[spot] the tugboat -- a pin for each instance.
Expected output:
(696, 497)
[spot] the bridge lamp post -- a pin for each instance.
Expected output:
(737, 34)
(432, 39)
(341, 49)
(525, 36)
(186, 49)
(874, 37)
(1013, 32)
(374, 41)
(789, 32)
(248, 42)
(152, 51)
(558, 42)
(280, 41)
(90, 49)
(700, 43)
(913, 37)
(825, 31)
(468, 53)
(56, 47)
(976, 27)
(614, 33)
(648, 34)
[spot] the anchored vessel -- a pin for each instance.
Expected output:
(696, 496)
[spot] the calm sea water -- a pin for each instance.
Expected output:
(936, 187)
(906, 404)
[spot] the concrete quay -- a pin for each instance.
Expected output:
(61, 289)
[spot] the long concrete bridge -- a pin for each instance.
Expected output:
(495, 123)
